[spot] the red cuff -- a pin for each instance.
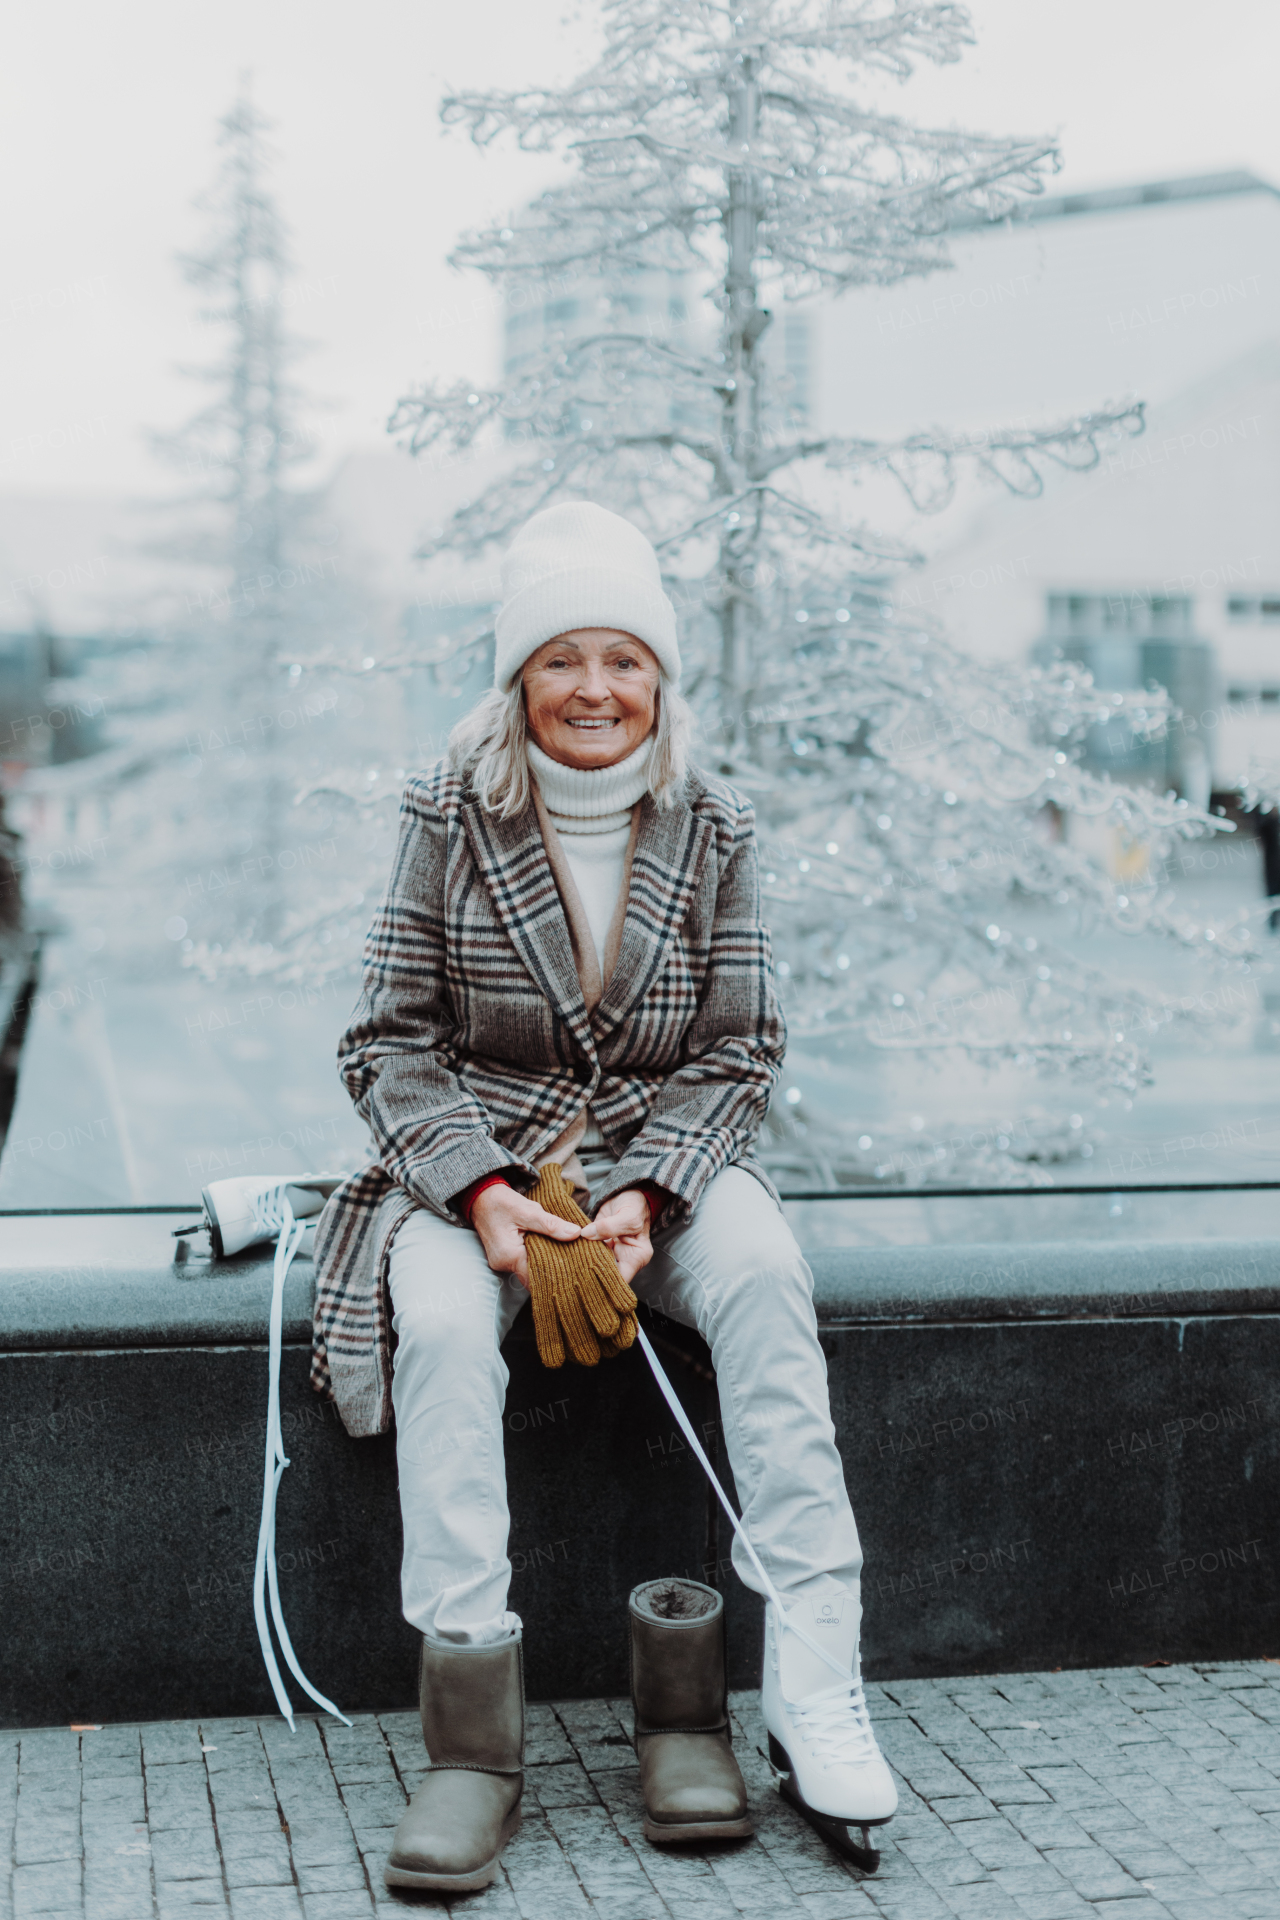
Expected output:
(463, 1202)
(657, 1198)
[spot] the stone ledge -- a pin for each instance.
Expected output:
(119, 1280)
(112, 1280)
(1071, 1280)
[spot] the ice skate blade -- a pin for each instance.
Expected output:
(836, 1833)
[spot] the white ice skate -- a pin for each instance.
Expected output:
(244, 1211)
(820, 1737)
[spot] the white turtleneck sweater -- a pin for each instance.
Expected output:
(591, 812)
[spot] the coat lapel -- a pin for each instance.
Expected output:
(670, 849)
(513, 863)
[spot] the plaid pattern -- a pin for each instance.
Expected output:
(471, 1049)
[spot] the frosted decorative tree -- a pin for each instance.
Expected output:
(240, 449)
(220, 722)
(243, 520)
(903, 790)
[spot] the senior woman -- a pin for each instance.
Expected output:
(569, 969)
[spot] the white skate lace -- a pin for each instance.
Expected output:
(271, 1209)
(771, 1592)
(273, 1214)
(836, 1726)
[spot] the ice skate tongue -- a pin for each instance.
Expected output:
(833, 1620)
(308, 1197)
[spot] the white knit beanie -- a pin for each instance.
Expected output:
(578, 565)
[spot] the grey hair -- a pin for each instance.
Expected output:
(488, 746)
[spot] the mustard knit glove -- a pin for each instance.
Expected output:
(579, 1297)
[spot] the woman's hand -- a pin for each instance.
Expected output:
(623, 1224)
(502, 1217)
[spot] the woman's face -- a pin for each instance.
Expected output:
(590, 697)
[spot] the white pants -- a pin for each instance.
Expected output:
(736, 1274)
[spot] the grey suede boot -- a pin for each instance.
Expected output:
(692, 1788)
(468, 1807)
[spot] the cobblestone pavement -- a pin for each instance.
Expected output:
(1132, 1792)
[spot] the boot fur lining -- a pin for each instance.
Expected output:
(673, 1600)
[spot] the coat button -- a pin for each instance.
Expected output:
(582, 1073)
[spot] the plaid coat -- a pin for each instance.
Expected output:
(471, 1049)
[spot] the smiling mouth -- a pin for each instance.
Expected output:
(593, 726)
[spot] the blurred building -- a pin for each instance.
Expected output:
(49, 713)
(1164, 562)
(665, 307)
(661, 306)
(1128, 641)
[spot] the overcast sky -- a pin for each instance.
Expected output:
(107, 118)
